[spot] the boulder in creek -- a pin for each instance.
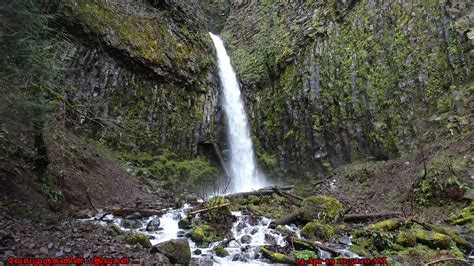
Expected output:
(131, 224)
(184, 224)
(177, 250)
(246, 239)
(153, 225)
(133, 216)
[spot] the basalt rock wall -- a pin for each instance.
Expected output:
(331, 82)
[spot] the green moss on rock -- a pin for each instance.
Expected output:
(317, 230)
(386, 225)
(321, 207)
(220, 251)
(113, 229)
(464, 217)
(138, 239)
(197, 234)
(406, 238)
(432, 239)
(359, 250)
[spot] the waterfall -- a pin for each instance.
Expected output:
(244, 172)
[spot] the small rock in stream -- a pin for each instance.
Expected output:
(184, 224)
(153, 225)
(130, 223)
(270, 239)
(133, 216)
(345, 240)
(246, 239)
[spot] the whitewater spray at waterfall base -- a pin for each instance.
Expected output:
(245, 175)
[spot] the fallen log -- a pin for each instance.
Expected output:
(210, 208)
(276, 257)
(447, 259)
(305, 244)
(287, 219)
(461, 242)
(358, 217)
(287, 195)
(143, 212)
(260, 192)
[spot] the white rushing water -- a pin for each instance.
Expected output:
(245, 175)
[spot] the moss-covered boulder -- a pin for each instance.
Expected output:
(461, 242)
(359, 250)
(432, 239)
(138, 239)
(406, 238)
(197, 234)
(220, 251)
(466, 216)
(113, 230)
(253, 199)
(386, 225)
(177, 250)
(361, 241)
(321, 207)
(317, 230)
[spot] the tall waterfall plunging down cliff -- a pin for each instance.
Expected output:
(245, 175)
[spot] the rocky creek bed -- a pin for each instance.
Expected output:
(255, 228)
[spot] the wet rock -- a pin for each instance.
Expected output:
(181, 233)
(220, 251)
(205, 261)
(245, 248)
(197, 252)
(184, 224)
(270, 240)
(254, 231)
(131, 224)
(344, 240)
(153, 225)
(176, 250)
(246, 239)
(133, 216)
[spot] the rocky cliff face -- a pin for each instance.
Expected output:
(331, 82)
(326, 82)
(145, 72)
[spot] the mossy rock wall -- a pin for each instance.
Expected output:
(147, 73)
(331, 82)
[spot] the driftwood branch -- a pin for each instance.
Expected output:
(305, 244)
(260, 192)
(358, 217)
(210, 208)
(143, 212)
(447, 259)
